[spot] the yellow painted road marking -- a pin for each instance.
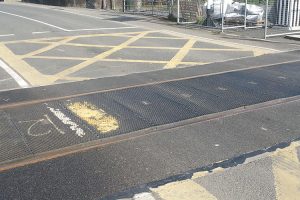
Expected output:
(100, 56)
(211, 49)
(59, 58)
(69, 78)
(94, 116)
(28, 72)
(123, 34)
(183, 190)
(134, 61)
(49, 47)
(180, 54)
(257, 51)
(170, 38)
(286, 170)
(89, 45)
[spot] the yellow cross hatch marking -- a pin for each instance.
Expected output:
(100, 56)
(180, 54)
(49, 47)
(33, 76)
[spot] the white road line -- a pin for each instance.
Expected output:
(22, 83)
(34, 20)
(40, 32)
(7, 35)
(95, 29)
(63, 29)
(6, 79)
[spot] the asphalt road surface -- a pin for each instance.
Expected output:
(100, 105)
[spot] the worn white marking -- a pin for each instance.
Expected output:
(40, 32)
(34, 20)
(221, 88)
(58, 129)
(281, 77)
(264, 129)
(34, 124)
(146, 102)
(7, 35)
(6, 79)
(252, 82)
(29, 130)
(21, 82)
(67, 121)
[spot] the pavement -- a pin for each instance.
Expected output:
(101, 105)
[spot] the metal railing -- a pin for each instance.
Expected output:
(252, 18)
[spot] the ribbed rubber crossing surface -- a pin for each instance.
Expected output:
(43, 127)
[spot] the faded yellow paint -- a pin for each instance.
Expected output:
(100, 56)
(59, 58)
(286, 170)
(28, 72)
(69, 78)
(205, 173)
(257, 51)
(34, 77)
(49, 47)
(180, 54)
(183, 190)
(94, 116)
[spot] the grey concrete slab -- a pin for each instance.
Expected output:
(253, 181)
(51, 67)
(109, 69)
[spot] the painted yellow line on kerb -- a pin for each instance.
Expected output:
(183, 190)
(180, 54)
(94, 116)
(286, 170)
